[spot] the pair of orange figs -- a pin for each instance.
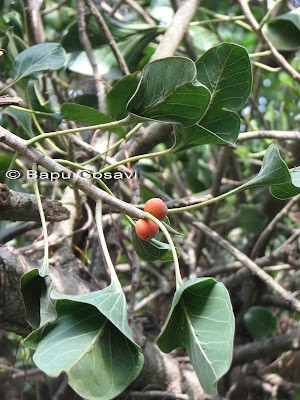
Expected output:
(147, 229)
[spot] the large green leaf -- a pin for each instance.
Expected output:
(91, 342)
(35, 290)
(275, 174)
(226, 71)
(131, 49)
(36, 60)
(201, 320)
(88, 116)
(169, 92)
(260, 322)
(284, 31)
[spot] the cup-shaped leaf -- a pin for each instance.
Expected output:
(91, 342)
(275, 174)
(201, 319)
(169, 92)
(36, 291)
(36, 60)
(226, 71)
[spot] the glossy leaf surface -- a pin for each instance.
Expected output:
(36, 60)
(226, 71)
(201, 319)
(169, 92)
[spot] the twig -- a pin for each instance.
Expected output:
(177, 29)
(157, 393)
(279, 135)
(133, 4)
(252, 266)
(10, 101)
(86, 44)
(135, 267)
(210, 211)
(148, 299)
(266, 348)
(54, 8)
(267, 231)
(257, 29)
(34, 24)
(111, 41)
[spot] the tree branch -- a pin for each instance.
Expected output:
(13, 204)
(177, 29)
(73, 179)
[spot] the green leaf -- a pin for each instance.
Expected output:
(169, 92)
(119, 31)
(36, 60)
(108, 67)
(201, 320)
(260, 322)
(91, 342)
(295, 176)
(118, 97)
(150, 250)
(24, 119)
(36, 290)
(284, 31)
(275, 174)
(88, 116)
(226, 71)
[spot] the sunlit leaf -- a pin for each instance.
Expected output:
(36, 60)
(201, 320)
(91, 342)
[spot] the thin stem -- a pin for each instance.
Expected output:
(137, 158)
(216, 20)
(206, 203)
(268, 14)
(179, 281)
(45, 266)
(260, 54)
(125, 121)
(98, 217)
(266, 67)
(9, 86)
(114, 145)
(29, 111)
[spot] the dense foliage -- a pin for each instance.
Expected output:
(102, 109)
